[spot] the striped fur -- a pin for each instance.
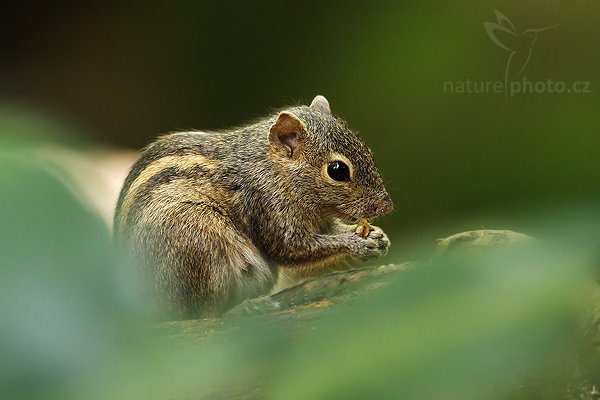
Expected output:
(210, 217)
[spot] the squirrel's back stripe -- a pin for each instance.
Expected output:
(181, 163)
(174, 144)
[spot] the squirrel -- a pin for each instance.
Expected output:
(211, 217)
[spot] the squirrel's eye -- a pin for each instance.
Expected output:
(338, 171)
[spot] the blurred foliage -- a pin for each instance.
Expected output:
(495, 324)
(22, 126)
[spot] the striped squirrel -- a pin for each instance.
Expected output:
(212, 216)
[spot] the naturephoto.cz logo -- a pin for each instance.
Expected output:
(519, 47)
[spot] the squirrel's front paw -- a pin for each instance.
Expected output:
(376, 244)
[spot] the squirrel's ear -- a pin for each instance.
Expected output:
(287, 134)
(320, 103)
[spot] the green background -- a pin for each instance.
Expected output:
(125, 72)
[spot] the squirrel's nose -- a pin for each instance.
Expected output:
(386, 205)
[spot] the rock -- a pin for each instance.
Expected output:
(480, 239)
(323, 291)
(257, 306)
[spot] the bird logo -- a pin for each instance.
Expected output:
(520, 45)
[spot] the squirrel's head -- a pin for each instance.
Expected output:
(321, 155)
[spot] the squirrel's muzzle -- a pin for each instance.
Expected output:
(385, 206)
(379, 207)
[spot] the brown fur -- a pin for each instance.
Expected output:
(211, 217)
